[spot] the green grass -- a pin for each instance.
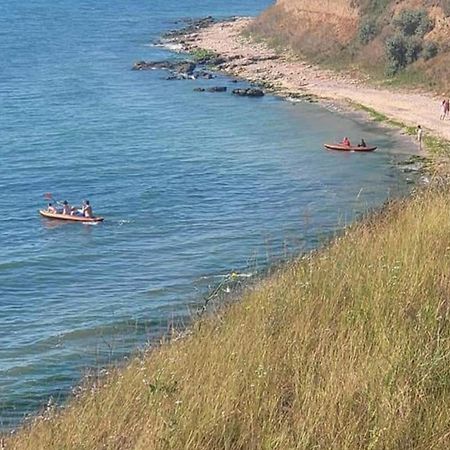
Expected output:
(200, 54)
(382, 118)
(410, 78)
(434, 145)
(437, 146)
(344, 348)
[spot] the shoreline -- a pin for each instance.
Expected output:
(160, 387)
(334, 106)
(285, 75)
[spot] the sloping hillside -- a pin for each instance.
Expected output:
(408, 39)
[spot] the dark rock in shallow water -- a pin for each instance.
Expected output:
(211, 89)
(217, 89)
(191, 26)
(248, 92)
(186, 68)
(203, 74)
(180, 70)
(154, 65)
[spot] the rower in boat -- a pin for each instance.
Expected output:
(51, 208)
(70, 213)
(87, 209)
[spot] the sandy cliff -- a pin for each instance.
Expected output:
(330, 31)
(305, 24)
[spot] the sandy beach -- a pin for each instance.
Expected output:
(258, 63)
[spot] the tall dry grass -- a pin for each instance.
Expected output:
(346, 348)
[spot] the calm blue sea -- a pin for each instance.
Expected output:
(192, 185)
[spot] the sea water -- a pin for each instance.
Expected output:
(193, 186)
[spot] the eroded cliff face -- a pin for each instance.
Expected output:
(335, 18)
(311, 25)
(329, 30)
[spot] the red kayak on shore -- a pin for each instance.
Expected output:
(50, 215)
(349, 148)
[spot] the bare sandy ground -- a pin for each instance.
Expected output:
(258, 63)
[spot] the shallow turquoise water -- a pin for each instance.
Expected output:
(192, 186)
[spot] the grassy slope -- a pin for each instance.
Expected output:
(347, 348)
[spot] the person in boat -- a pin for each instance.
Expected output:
(362, 143)
(86, 210)
(66, 208)
(346, 141)
(51, 209)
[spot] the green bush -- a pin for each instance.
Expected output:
(414, 47)
(367, 31)
(407, 45)
(430, 50)
(413, 22)
(396, 52)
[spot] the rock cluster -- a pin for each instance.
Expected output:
(180, 70)
(190, 27)
(211, 89)
(248, 92)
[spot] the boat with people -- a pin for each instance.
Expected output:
(64, 211)
(350, 148)
(346, 146)
(69, 217)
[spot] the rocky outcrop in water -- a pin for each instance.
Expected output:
(190, 27)
(217, 89)
(211, 89)
(248, 92)
(180, 70)
(180, 67)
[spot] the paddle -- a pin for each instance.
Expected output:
(49, 196)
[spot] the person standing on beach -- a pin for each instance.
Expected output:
(419, 136)
(445, 109)
(443, 113)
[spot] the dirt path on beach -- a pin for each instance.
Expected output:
(256, 62)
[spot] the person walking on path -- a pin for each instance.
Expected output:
(419, 136)
(445, 109)
(442, 117)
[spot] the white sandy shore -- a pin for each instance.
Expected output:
(258, 63)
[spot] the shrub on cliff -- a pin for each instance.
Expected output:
(430, 50)
(367, 31)
(413, 22)
(396, 50)
(407, 44)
